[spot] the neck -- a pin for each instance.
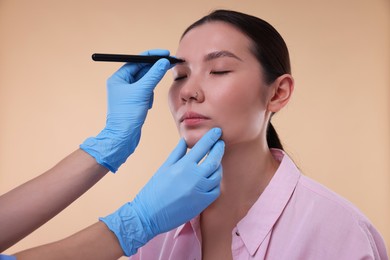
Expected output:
(247, 170)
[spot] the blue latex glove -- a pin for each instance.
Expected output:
(7, 257)
(130, 95)
(180, 190)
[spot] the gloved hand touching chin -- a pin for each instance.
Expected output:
(130, 96)
(180, 190)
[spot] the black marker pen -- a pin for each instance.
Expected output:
(133, 58)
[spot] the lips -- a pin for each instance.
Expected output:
(192, 117)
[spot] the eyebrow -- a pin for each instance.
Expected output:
(215, 55)
(219, 54)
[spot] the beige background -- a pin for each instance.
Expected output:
(52, 95)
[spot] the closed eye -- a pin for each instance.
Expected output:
(221, 72)
(180, 78)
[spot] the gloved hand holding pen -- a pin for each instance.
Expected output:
(130, 95)
(182, 188)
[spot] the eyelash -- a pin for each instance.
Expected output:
(180, 78)
(211, 72)
(222, 72)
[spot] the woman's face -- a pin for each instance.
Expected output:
(220, 84)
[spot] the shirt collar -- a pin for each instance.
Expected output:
(262, 216)
(193, 226)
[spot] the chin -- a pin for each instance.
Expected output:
(192, 137)
(191, 141)
(190, 144)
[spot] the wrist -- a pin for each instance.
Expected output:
(108, 150)
(128, 227)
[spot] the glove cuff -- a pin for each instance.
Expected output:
(107, 151)
(127, 226)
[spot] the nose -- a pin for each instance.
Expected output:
(191, 91)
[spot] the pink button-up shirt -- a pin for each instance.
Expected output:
(294, 218)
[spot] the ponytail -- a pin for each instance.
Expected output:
(273, 140)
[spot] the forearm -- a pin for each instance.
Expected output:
(94, 242)
(30, 205)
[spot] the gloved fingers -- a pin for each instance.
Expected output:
(131, 72)
(207, 198)
(153, 75)
(213, 181)
(138, 74)
(143, 90)
(214, 193)
(177, 153)
(213, 159)
(126, 73)
(203, 146)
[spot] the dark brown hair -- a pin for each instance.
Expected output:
(268, 47)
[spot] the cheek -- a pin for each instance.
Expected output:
(241, 114)
(172, 100)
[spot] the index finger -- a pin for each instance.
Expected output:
(128, 71)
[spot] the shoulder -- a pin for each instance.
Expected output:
(327, 206)
(320, 198)
(310, 197)
(313, 206)
(324, 198)
(327, 217)
(320, 218)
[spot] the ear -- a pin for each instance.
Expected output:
(280, 93)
